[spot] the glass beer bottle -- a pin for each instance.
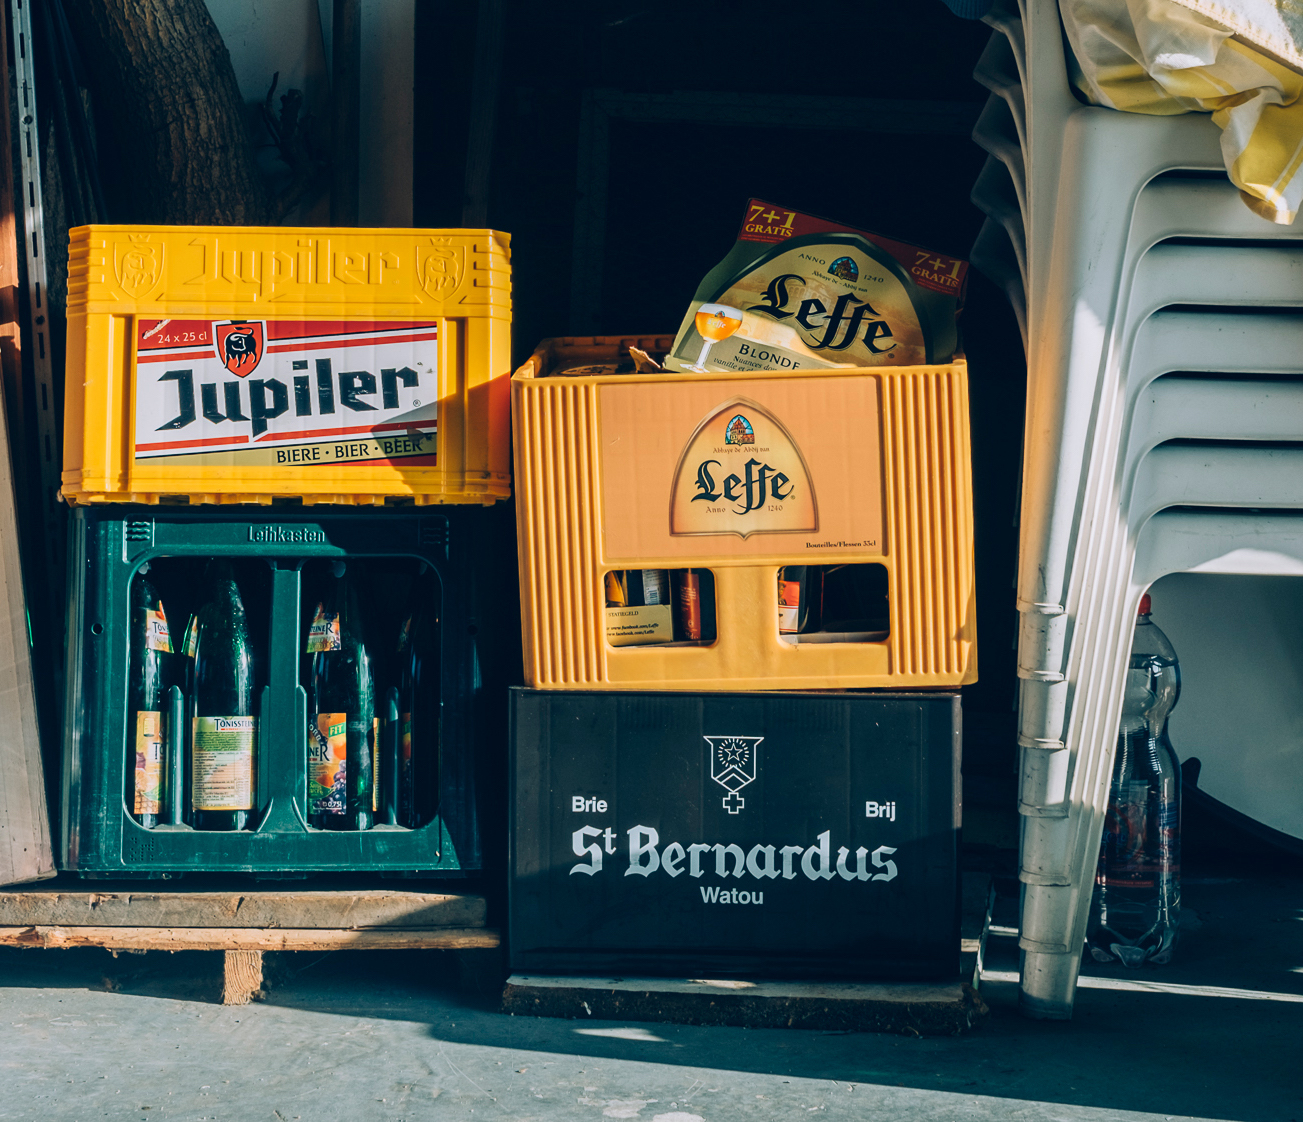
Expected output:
(151, 648)
(343, 746)
(223, 726)
(419, 705)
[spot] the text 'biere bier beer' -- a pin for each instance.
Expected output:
(151, 648)
(223, 727)
(343, 748)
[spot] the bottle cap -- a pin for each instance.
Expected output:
(1144, 605)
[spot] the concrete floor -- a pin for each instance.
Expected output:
(357, 1036)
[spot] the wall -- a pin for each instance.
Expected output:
(293, 37)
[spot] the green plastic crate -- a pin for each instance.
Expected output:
(108, 547)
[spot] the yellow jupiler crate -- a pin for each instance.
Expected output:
(242, 364)
(871, 466)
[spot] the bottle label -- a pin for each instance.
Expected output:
(323, 633)
(405, 793)
(375, 765)
(191, 637)
(222, 763)
(1140, 836)
(328, 764)
(789, 606)
(149, 762)
(363, 735)
(689, 614)
(157, 637)
(405, 635)
(655, 586)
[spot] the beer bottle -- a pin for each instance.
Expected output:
(687, 616)
(343, 748)
(223, 727)
(419, 708)
(151, 647)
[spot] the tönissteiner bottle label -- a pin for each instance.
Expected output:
(149, 762)
(157, 637)
(323, 633)
(328, 764)
(222, 763)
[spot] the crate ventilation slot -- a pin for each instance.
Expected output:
(432, 534)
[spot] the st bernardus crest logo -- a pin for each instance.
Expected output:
(733, 766)
(240, 345)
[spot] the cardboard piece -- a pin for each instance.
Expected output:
(26, 853)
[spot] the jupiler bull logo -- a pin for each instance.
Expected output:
(733, 766)
(240, 345)
(440, 267)
(138, 264)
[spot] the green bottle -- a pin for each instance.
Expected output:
(147, 730)
(343, 742)
(419, 706)
(223, 725)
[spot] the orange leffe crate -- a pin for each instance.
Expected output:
(722, 482)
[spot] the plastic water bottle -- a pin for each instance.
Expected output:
(1137, 900)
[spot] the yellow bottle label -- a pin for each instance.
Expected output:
(222, 763)
(149, 762)
(328, 764)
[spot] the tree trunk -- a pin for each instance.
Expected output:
(173, 139)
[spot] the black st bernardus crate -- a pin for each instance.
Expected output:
(785, 835)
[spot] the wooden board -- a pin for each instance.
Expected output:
(249, 939)
(918, 1009)
(26, 853)
(64, 905)
(241, 977)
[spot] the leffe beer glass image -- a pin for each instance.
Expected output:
(714, 323)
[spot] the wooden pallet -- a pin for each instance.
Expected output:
(244, 923)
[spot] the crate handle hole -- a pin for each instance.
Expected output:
(97, 629)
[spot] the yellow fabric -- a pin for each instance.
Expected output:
(1157, 56)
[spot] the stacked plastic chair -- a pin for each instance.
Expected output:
(1163, 361)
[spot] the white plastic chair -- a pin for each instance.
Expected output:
(993, 255)
(1097, 478)
(994, 195)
